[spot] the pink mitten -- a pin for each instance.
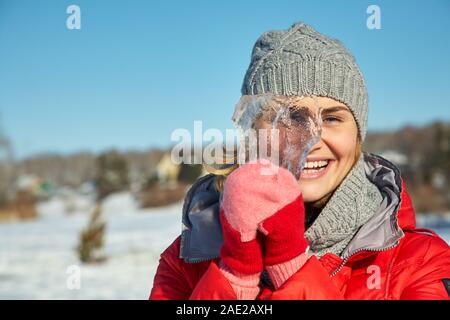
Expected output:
(261, 196)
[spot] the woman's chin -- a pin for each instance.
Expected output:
(317, 192)
(311, 194)
(309, 197)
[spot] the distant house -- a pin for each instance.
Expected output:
(33, 185)
(167, 171)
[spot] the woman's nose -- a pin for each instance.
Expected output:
(316, 146)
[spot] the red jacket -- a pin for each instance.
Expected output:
(417, 267)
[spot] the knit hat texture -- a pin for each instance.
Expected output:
(301, 61)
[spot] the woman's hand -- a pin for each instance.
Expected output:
(261, 197)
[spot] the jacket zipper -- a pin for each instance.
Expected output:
(360, 250)
(197, 260)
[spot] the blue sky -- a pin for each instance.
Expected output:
(137, 70)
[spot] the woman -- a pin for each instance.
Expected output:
(344, 230)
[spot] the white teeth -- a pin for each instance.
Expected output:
(316, 164)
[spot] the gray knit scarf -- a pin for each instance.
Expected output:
(351, 205)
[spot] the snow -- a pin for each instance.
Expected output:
(36, 256)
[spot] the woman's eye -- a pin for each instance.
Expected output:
(299, 115)
(331, 119)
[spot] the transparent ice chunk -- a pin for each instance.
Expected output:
(293, 126)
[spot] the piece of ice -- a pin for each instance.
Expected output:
(293, 119)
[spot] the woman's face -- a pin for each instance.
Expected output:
(329, 160)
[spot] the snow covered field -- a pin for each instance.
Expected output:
(35, 256)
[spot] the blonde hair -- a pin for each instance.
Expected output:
(222, 172)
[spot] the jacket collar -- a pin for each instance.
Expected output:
(382, 231)
(201, 237)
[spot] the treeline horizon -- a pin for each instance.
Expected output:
(426, 171)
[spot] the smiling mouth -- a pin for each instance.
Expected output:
(316, 169)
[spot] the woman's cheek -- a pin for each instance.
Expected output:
(342, 143)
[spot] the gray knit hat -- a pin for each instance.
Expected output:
(301, 61)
